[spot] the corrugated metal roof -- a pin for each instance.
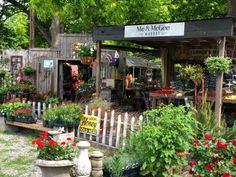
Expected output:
(133, 61)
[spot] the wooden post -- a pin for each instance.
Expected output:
(31, 29)
(219, 82)
(164, 66)
(98, 69)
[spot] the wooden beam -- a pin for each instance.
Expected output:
(219, 83)
(98, 69)
(112, 47)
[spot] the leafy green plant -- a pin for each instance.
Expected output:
(210, 156)
(49, 149)
(192, 72)
(64, 115)
(169, 130)
(87, 88)
(117, 164)
(10, 108)
(218, 65)
(28, 70)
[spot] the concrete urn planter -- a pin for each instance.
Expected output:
(52, 168)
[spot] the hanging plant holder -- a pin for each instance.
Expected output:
(86, 60)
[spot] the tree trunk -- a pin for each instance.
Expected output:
(56, 28)
(231, 8)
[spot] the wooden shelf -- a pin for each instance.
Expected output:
(34, 126)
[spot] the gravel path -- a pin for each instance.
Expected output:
(17, 155)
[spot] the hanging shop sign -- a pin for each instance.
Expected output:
(155, 30)
(89, 124)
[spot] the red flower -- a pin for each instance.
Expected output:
(221, 145)
(216, 159)
(233, 142)
(68, 139)
(191, 171)
(52, 143)
(210, 167)
(74, 145)
(44, 135)
(206, 144)
(227, 175)
(192, 163)
(198, 176)
(195, 142)
(63, 143)
(234, 160)
(39, 143)
(208, 137)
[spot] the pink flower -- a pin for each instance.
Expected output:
(63, 143)
(192, 163)
(198, 176)
(208, 137)
(227, 175)
(221, 145)
(210, 167)
(233, 142)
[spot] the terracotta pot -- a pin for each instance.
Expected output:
(52, 168)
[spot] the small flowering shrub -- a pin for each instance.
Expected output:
(213, 157)
(49, 149)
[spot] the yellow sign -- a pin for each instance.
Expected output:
(88, 124)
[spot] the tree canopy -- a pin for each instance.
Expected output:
(82, 15)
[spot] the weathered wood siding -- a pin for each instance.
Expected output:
(65, 42)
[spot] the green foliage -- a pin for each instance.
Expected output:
(67, 115)
(86, 50)
(28, 70)
(192, 72)
(169, 130)
(16, 31)
(218, 65)
(118, 163)
(87, 88)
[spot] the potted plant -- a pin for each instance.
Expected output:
(120, 165)
(24, 114)
(86, 53)
(210, 156)
(28, 70)
(55, 158)
(67, 116)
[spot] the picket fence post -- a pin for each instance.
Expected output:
(104, 129)
(98, 125)
(125, 128)
(118, 131)
(111, 127)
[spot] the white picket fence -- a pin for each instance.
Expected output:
(111, 131)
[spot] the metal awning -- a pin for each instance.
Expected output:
(133, 61)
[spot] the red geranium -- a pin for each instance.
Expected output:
(208, 137)
(227, 175)
(233, 142)
(206, 144)
(195, 142)
(192, 163)
(50, 149)
(221, 145)
(210, 167)
(234, 160)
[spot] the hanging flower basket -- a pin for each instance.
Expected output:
(86, 60)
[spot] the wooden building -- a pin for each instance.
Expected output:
(177, 42)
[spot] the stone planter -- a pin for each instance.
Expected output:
(52, 168)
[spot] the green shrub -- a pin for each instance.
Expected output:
(218, 65)
(169, 130)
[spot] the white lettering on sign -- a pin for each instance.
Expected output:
(155, 30)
